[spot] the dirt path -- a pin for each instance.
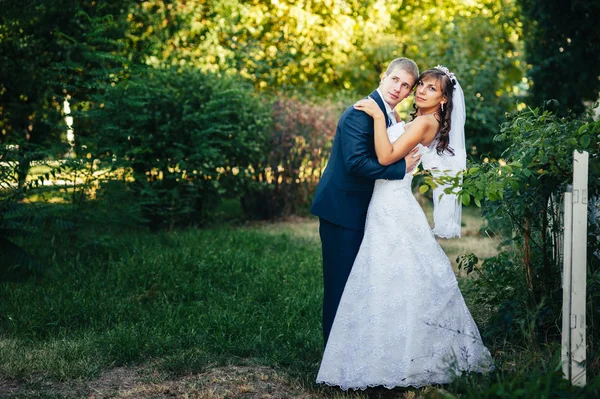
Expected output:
(225, 382)
(230, 382)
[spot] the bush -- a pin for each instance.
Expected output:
(525, 191)
(184, 137)
(17, 222)
(285, 178)
(533, 378)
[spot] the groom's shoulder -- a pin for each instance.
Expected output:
(353, 115)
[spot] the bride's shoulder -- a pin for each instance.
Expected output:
(425, 122)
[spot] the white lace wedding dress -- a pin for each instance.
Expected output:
(402, 319)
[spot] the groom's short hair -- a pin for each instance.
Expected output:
(404, 64)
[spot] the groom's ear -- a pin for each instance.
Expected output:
(382, 77)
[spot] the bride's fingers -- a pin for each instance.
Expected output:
(363, 107)
(366, 102)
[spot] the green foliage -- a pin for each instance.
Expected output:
(186, 139)
(524, 192)
(18, 223)
(535, 379)
(16, 261)
(537, 166)
(526, 189)
(561, 40)
(285, 177)
(498, 294)
(49, 51)
(479, 42)
(320, 48)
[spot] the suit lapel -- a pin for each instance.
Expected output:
(375, 96)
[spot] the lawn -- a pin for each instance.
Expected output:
(475, 236)
(221, 312)
(185, 301)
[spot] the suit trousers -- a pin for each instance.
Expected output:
(340, 246)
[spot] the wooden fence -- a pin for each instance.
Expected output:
(575, 272)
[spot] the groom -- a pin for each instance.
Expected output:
(345, 189)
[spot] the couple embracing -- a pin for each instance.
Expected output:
(393, 314)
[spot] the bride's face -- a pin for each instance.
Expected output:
(428, 94)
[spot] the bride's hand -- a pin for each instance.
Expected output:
(370, 107)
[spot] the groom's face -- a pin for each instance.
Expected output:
(396, 86)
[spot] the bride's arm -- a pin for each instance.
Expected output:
(388, 153)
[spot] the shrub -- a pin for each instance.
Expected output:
(184, 137)
(525, 191)
(16, 261)
(530, 378)
(19, 222)
(285, 178)
(498, 295)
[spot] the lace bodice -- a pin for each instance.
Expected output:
(394, 134)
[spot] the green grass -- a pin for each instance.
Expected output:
(196, 299)
(190, 299)
(472, 238)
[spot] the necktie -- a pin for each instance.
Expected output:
(392, 118)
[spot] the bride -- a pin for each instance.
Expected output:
(402, 320)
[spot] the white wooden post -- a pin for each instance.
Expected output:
(575, 273)
(566, 319)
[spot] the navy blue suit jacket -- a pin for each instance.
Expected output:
(345, 189)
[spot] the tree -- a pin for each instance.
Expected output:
(50, 50)
(479, 42)
(323, 49)
(562, 43)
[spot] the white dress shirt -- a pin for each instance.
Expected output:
(388, 110)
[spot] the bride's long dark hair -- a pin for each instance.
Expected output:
(443, 137)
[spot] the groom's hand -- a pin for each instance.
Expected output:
(412, 159)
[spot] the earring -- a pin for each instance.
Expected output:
(442, 107)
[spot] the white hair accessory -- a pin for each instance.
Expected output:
(447, 72)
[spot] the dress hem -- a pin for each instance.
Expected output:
(404, 385)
